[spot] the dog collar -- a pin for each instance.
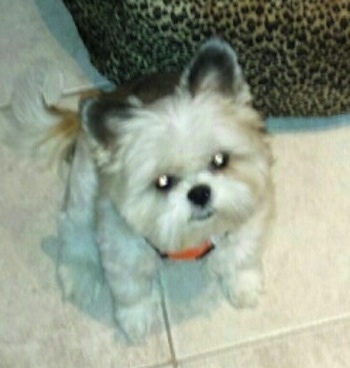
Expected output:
(190, 254)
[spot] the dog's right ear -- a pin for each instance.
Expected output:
(101, 117)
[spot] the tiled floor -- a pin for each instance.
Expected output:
(302, 321)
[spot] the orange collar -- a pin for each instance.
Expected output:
(190, 254)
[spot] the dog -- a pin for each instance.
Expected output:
(175, 166)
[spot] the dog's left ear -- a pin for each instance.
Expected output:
(215, 68)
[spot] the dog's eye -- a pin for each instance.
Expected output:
(220, 161)
(165, 182)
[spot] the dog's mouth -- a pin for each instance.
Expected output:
(202, 215)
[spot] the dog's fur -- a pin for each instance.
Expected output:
(162, 171)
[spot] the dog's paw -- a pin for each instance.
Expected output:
(136, 320)
(245, 289)
(81, 283)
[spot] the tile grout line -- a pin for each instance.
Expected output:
(268, 338)
(159, 365)
(170, 339)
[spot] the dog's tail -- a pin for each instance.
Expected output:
(33, 122)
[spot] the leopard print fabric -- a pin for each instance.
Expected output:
(295, 54)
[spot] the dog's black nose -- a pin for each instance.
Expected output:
(199, 195)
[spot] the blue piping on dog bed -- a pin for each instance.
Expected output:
(306, 124)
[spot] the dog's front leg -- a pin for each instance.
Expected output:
(237, 262)
(240, 274)
(130, 266)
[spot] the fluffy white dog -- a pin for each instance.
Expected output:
(158, 169)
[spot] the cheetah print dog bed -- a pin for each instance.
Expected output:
(295, 53)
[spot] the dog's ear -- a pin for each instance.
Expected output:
(100, 116)
(215, 68)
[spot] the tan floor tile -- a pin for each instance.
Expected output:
(327, 347)
(38, 330)
(307, 265)
(29, 31)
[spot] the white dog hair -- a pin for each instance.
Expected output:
(156, 177)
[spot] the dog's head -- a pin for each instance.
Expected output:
(189, 165)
